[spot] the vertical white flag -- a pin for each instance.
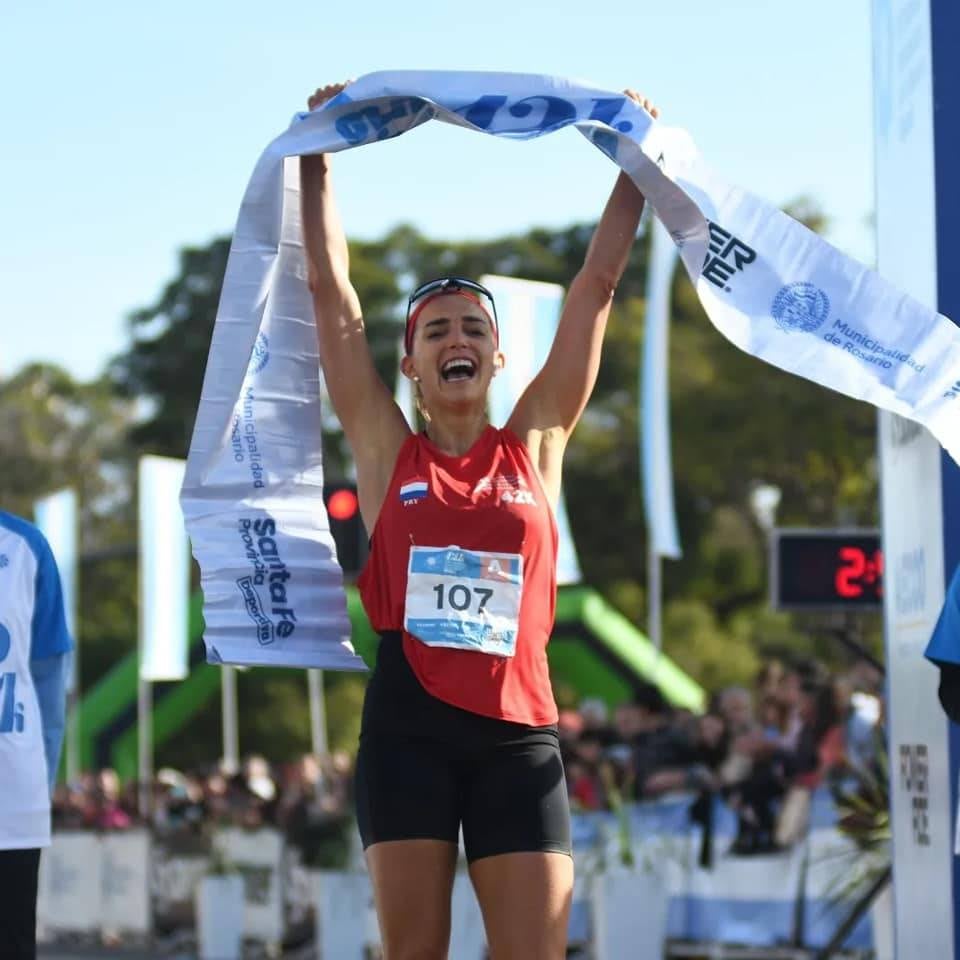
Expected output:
(164, 571)
(56, 518)
(528, 313)
(655, 399)
(403, 392)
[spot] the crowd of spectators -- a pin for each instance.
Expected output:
(309, 800)
(764, 750)
(761, 749)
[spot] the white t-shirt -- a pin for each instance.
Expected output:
(32, 627)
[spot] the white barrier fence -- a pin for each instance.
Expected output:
(115, 883)
(125, 883)
(90, 883)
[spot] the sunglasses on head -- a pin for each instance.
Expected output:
(443, 285)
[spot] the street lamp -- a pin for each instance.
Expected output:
(764, 500)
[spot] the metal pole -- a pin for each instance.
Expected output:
(231, 734)
(318, 712)
(73, 691)
(145, 745)
(73, 731)
(144, 708)
(654, 599)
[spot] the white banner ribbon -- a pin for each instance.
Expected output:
(252, 496)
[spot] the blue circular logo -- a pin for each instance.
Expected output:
(260, 354)
(800, 306)
(4, 642)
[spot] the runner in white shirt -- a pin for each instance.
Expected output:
(34, 658)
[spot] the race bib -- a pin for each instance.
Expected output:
(465, 599)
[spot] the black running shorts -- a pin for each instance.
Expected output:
(19, 872)
(426, 768)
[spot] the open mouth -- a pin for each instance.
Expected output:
(460, 368)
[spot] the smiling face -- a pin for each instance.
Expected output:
(454, 355)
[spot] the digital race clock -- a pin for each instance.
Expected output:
(826, 570)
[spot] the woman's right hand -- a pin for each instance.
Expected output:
(322, 94)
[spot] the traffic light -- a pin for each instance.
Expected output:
(346, 526)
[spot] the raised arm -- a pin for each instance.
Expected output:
(372, 422)
(551, 406)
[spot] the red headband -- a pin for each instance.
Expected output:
(412, 318)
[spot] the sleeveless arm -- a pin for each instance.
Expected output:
(373, 424)
(550, 407)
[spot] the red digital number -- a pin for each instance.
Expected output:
(854, 565)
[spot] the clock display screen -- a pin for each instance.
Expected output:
(827, 570)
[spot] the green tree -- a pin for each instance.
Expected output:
(167, 357)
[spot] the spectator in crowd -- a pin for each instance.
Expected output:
(789, 692)
(773, 717)
(820, 748)
(315, 809)
(178, 803)
(596, 720)
(586, 782)
(108, 812)
(665, 759)
(627, 722)
(750, 774)
(745, 736)
(569, 728)
(769, 678)
(860, 702)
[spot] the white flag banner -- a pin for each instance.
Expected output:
(527, 316)
(164, 577)
(57, 518)
(655, 398)
(403, 394)
(252, 495)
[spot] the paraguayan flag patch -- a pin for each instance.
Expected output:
(413, 490)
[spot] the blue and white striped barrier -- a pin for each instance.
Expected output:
(756, 900)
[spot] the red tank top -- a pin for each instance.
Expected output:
(490, 499)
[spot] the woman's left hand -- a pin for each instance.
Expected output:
(641, 101)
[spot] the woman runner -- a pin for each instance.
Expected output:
(459, 726)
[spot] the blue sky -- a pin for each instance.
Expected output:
(130, 129)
